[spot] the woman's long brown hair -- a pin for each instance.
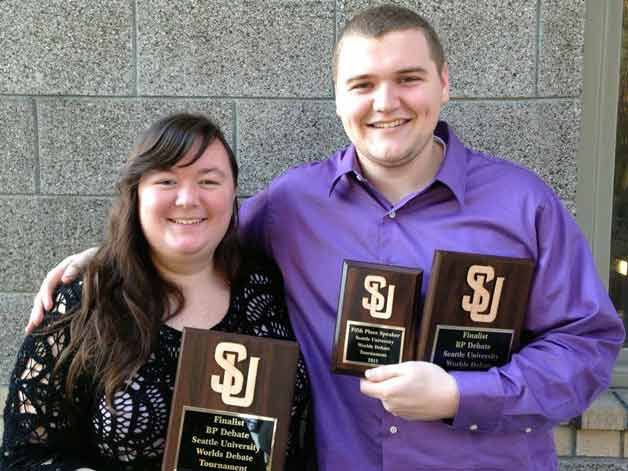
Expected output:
(124, 297)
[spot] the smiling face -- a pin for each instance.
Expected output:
(185, 210)
(389, 93)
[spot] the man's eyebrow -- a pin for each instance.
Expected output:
(412, 70)
(408, 70)
(358, 77)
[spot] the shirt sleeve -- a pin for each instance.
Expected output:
(41, 428)
(255, 222)
(265, 308)
(574, 335)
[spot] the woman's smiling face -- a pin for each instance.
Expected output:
(185, 210)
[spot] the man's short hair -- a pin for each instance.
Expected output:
(378, 21)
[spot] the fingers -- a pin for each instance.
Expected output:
(380, 382)
(43, 300)
(37, 315)
(52, 279)
(70, 272)
(66, 271)
(374, 390)
(75, 264)
(413, 390)
(382, 373)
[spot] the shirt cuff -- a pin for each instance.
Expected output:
(481, 401)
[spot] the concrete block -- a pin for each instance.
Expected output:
(275, 135)
(85, 141)
(606, 413)
(603, 443)
(66, 47)
(540, 135)
(14, 312)
(235, 48)
(564, 440)
(3, 398)
(591, 464)
(491, 46)
(18, 158)
(561, 47)
(39, 232)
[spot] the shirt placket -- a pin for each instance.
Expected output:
(391, 425)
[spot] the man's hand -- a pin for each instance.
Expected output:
(66, 271)
(414, 390)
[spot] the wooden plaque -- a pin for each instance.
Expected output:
(231, 403)
(474, 310)
(377, 316)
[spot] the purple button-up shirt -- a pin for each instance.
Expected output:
(315, 216)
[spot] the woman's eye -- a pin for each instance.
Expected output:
(208, 182)
(165, 182)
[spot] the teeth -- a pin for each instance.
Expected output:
(391, 124)
(187, 222)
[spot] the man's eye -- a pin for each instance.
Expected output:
(411, 79)
(360, 86)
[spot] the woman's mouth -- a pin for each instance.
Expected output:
(187, 222)
(388, 124)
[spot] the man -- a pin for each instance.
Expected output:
(404, 188)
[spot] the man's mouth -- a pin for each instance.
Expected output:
(388, 124)
(187, 222)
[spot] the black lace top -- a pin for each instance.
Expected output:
(46, 432)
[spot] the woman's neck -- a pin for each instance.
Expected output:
(205, 290)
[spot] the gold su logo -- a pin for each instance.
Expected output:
(477, 276)
(378, 304)
(231, 384)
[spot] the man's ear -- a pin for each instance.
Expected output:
(444, 80)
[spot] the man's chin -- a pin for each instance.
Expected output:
(389, 158)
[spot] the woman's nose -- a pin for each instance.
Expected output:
(187, 196)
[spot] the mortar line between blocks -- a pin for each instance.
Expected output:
(135, 48)
(37, 147)
(538, 47)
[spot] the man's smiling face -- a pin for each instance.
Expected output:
(389, 93)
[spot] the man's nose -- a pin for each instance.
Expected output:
(385, 97)
(187, 195)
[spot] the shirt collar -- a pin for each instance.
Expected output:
(346, 163)
(451, 173)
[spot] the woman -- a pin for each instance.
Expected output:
(93, 389)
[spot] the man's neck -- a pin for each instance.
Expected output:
(396, 183)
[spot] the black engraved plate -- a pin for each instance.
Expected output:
(371, 344)
(212, 439)
(464, 348)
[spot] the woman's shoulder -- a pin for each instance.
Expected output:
(258, 299)
(258, 271)
(66, 299)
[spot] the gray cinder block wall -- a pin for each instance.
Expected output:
(80, 79)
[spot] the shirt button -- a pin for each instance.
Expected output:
(392, 215)
(359, 177)
(528, 430)
(473, 428)
(393, 429)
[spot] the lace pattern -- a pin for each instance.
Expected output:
(45, 431)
